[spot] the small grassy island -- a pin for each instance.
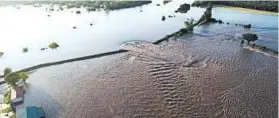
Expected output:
(25, 49)
(53, 45)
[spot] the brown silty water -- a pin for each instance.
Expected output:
(192, 76)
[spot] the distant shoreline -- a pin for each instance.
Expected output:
(271, 6)
(247, 10)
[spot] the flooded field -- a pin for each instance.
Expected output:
(34, 28)
(193, 76)
(205, 73)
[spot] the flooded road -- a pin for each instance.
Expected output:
(193, 76)
(31, 27)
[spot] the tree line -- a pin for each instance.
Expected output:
(258, 5)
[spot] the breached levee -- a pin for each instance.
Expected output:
(68, 60)
(180, 32)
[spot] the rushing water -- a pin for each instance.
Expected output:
(204, 74)
(30, 27)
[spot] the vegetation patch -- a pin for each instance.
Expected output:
(7, 97)
(25, 49)
(78, 12)
(166, 2)
(105, 5)
(184, 8)
(258, 5)
(250, 37)
(190, 24)
(53, 45)
(1, 54)
(163, 18)
(23, 75)
(6, 110)
(13, 77)
(13, 116)
(7, 71)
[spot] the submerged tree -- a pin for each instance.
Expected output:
(250, 37)
(190, 24)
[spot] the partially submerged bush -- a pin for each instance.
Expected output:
(250, 37)
(190, 24)
(53, 45)
(247, 26)
(25, 49)
(78, 12)
(184, 8)
(163, 18)
(7, 71)
(182, 31)
(1, 54)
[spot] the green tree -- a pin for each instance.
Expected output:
(7, 71)
(23, 75)
(12, 79)
(250, 37)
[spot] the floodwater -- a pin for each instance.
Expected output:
(203, 74)
(192, 76)
(29, 26)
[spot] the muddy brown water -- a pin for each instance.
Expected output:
(192, 76)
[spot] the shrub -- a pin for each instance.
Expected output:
(183, 8)
(1, 54)
(6, 110)
(13, 116)
(78, 12)
(250, 37)
(163, 18)
(53, 45)
(7, 97)
(7, 71)
(23, 75)
(25, 49)
(247, 26)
